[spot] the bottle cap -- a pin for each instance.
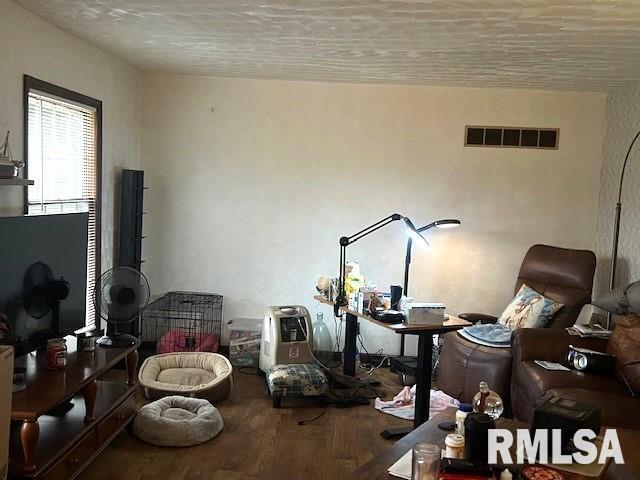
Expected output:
(506, 475)
(454, 440)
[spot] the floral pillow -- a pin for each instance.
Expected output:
(529, 309)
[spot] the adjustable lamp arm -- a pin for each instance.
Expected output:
(346, 241)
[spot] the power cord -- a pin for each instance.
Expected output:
(307, 421)
(354, 384)
(372, 369)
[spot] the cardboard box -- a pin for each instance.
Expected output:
(6, 385)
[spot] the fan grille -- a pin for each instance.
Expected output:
(121, 294)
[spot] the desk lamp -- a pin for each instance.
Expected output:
(444, 223)
(412, 231)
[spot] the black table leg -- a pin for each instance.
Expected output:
(350, 345)
(423, 387)
(423, 379)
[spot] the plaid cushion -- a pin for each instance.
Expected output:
(297, 380)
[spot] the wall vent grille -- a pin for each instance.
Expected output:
(511, 137)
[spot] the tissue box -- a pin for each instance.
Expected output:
(425, 313)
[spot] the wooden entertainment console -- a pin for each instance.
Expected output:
(52, 439)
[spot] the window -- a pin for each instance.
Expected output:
(63, 153)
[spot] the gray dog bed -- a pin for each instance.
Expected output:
(177, 421)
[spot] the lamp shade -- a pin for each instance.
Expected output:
(621, 301)
(444, 223)
(447, 223)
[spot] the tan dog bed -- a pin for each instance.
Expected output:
(191, 374)
(177, 422)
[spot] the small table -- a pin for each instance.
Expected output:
(425, 350)
(47, 389)
(429, 432)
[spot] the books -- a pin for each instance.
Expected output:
(586, 331)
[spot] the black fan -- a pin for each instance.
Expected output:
(120, 296)
(41, 293)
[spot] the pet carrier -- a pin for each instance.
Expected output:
(183, 322)
(244, 341)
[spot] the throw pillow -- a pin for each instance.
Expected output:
(624, 344)
(529, 309)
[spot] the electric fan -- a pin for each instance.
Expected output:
(120, 296)
(41, 293)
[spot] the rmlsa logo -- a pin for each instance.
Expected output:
(538, 448)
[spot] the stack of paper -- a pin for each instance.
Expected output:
(597, 331)
(402, 468)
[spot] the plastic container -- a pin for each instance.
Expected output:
(244, 341)
(56, 353)
(461, 414)
(454, 446)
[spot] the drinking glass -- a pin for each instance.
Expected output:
(425, 464)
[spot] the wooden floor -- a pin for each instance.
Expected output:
(260, 442)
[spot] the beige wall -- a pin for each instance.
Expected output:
(30, 45)
(253, 182)
(622, 123)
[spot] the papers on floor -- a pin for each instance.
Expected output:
(551, 365)
(584, 331)
(402, 468)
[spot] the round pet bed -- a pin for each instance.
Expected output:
(190, 374)
(177, 422)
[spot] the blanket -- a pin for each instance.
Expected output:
(403, 404)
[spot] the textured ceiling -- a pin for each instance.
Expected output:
(562, 44)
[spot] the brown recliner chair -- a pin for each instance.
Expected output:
(531, 385)
(564, 275)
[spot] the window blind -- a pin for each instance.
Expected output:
(62, 163)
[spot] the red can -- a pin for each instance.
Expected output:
(56, 353)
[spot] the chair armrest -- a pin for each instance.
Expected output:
(548, 344)
(478, 317)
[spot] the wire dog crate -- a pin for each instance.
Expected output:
(183, 322)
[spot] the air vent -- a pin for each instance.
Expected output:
(512, 137)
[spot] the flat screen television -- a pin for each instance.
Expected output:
(58, 244)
